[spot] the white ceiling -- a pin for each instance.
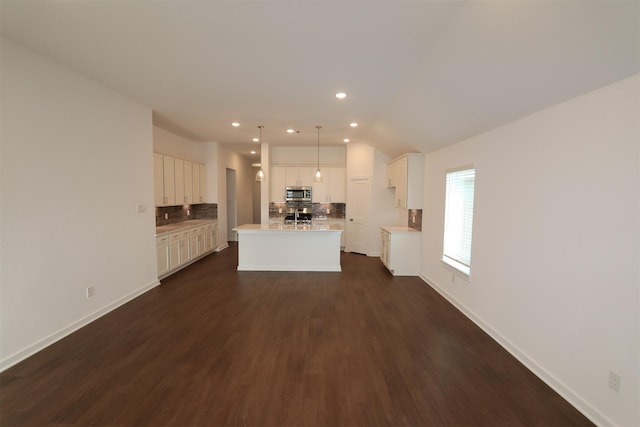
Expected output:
(419, 74)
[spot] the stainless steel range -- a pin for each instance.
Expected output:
(295, 218)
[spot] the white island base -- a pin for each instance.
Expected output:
(264, 247)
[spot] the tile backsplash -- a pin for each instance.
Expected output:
(186, 212)
(414, 219)
(319, 210)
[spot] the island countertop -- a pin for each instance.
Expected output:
(288, 228)
(279, 247)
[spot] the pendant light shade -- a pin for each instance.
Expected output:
(317, 177)
(260, 175)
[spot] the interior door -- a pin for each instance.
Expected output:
(357, 215)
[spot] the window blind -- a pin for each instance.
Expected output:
(458, 224)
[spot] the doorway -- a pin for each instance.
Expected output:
(232, 205)
(359, 196)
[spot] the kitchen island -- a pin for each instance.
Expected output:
(277, 247)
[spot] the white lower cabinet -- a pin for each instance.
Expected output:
(179, 251)
(401, 250)
(162, 251)
(185, 251)
(178, 248)
(174, 250)
(210, 237)
(197, 241)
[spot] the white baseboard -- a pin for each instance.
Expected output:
(19, 356)
(562, 389)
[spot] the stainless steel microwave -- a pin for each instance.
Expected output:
(297, 194)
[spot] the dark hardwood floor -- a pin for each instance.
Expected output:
(212, 346)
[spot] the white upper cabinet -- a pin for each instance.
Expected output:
(406, 174)
(188, 182)
(178, 165)
(169, 180)
(158, 179)
(332, 189)
(278, 182)
(196, 183)
(199, 183)
(203, 184)
(338, 185)
(299, 176)
(392, 174)
(178, 181)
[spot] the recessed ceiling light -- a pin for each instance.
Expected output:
(346, 140)
(353, 124)
(341, 95)
(290, 130)
(235, 124)
(256, 139)
(253, 152)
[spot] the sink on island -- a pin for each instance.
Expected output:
(277, 247)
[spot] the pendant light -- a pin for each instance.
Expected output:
(260, 174)
(317, 177)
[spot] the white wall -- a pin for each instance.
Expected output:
(329, 155)
(555, 258)
(245, 177)
(76, 162)
(169, 143)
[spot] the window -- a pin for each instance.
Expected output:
(458, 219)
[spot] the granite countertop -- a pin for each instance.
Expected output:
(327, 218)
(322, 218)
(169, 228)
(399, 229)
(288, 228)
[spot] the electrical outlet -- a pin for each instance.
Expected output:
(328, 211)
(279, 210)
(166, 216)
(614, 381)
(91, 291)
(141, 208)
(413, 219)
(188, 212)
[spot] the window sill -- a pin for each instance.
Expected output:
(458, 267)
